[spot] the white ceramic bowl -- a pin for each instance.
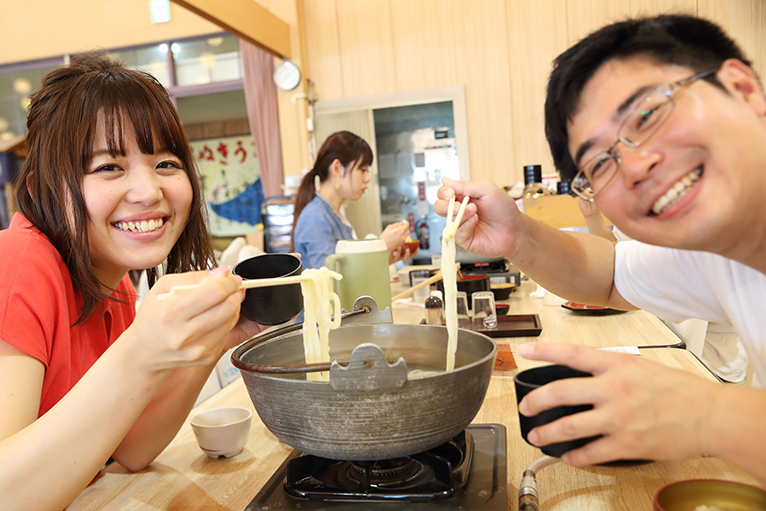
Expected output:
(222, 431)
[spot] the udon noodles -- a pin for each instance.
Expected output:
(449, 278)
(321, 314)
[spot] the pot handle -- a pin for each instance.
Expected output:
(368, 371)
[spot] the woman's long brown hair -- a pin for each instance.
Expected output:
(343, 146)
(61, 126)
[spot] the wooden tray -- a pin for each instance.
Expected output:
(512, 325)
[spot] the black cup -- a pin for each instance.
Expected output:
(529, 380)
(271, 305)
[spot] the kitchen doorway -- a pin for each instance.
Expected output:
(417, 137)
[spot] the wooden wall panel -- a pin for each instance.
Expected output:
(366, 44)
(292, 111)
(499, 50)
(423, 43)
(656, 7)
(536, 35)
(323, 55)
(585, 16)
(745, 22)
(482, 64)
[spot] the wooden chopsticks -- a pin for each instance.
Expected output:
(248, 284)
(436, 277)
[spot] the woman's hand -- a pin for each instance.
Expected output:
(491, 219)
(242, 331)
(193, 328)
(394, 236)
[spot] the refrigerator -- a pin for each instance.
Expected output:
(415, 147)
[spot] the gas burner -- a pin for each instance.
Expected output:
(429, 475)
(393, 473)
(467, 472)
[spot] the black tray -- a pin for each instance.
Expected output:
(511, 325)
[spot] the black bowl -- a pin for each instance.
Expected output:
(502, 291)
(271, 305)
(470, 284)
(529, 380)
(501, 309)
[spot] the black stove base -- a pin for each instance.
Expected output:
(485, 488)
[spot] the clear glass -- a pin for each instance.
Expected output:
(483, 305)
(463, 314)
(644, 118)
(416, 277)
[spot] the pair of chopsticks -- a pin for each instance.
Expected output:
(453, 223)
(436, 277)
(248, 284)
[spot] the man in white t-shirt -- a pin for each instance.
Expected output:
(662, 122)
(715, 344)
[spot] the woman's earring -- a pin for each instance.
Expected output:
(337, 185)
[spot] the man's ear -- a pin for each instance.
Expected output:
(740, 80)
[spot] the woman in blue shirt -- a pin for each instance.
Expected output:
(340, 173)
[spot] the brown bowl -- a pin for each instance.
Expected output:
(716, 494)
(412, 245)
(502, 290)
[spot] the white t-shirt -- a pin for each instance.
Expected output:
(680, 284)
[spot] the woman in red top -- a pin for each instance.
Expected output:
(109, 185)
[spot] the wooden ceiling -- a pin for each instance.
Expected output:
(247, 20)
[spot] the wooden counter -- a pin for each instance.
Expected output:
(182, 478)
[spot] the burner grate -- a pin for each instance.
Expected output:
(483, 487)
(434, 474)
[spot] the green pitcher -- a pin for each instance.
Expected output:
(364, 266)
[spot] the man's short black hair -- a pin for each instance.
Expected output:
(669, 39)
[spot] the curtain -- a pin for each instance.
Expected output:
(263, 115)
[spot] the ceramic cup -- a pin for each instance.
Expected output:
(271, 305)
(222, 431)
(531, 379)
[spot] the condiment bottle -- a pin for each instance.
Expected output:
(533, 182)
(435, 309)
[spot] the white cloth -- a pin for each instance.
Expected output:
(680, 284)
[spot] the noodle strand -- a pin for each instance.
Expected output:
(321, 314)
(449, 277)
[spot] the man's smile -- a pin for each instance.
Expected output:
(677, 191)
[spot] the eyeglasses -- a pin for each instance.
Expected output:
(644, 118)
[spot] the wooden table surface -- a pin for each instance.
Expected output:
(182, 478)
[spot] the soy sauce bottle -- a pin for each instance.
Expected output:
(533, 182)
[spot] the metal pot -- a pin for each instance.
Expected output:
(370, 410)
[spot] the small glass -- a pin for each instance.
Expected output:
(483, 304)
(416, 277)
(462, 306)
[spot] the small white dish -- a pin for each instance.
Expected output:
(222, 431)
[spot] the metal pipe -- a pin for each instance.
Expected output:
(529, 498)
